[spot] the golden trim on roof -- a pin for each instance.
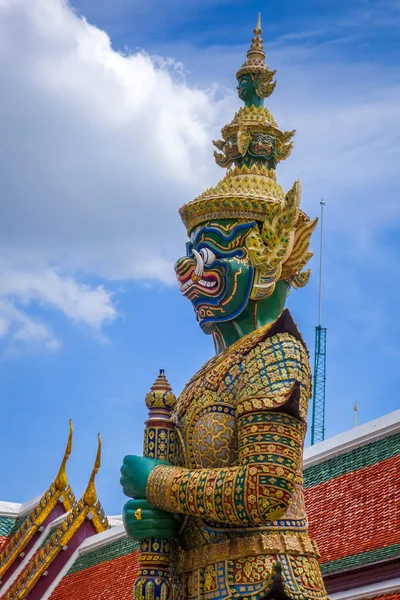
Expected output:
(88, 507)
(59, 491)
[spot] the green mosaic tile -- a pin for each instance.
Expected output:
(17, 524)
(359, 560)
(6, 525)
(48, 536)
(114, 550)
(352, 461)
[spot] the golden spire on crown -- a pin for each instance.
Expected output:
(256, 66)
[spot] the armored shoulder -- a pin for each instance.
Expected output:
(275, 367)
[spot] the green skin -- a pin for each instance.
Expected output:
(247, 91)
(136, 469)
(135, 472)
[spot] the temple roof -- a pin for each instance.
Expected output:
(31, 517)
(57, 537)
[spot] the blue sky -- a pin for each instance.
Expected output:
(107, 126)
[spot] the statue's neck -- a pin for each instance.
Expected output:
(254, 100)
(255, 315)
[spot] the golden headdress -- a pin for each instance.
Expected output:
(278, 246)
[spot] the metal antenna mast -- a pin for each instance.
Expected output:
(355, 413)
(319, 379)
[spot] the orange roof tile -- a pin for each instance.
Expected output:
(111, 580)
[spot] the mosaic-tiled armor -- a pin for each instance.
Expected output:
(241, 431)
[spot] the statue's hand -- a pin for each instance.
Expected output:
(142, 521)
(135, 472)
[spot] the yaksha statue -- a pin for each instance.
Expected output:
(230, 498)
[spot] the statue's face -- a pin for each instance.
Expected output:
(262, 146)
(245, 88)
(216, 275)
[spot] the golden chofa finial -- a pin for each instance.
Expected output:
(90, 495)
(61, 481)
(256, 66)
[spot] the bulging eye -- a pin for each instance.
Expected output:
(208, 256)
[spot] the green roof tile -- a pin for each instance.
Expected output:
(114, 550)
(360, 560)
(6, 525)
(352, 461)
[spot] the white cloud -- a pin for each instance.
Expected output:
(99, 149)
(80, 302)
(20, 289)
(19, 327)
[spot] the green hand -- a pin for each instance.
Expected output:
(135, 472)
(142, 521)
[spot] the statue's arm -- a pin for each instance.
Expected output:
(256, 491)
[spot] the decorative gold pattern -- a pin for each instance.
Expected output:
(280, 249)
(257, 491)
(246, 546)
(250, 120)
(160, 395)
(244, 193)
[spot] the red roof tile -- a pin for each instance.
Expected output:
(356, 512)
(111, 580)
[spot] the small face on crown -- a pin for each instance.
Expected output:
(216, 274)
(247, 91)
(245, 87)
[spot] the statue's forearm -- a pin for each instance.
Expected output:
(256, 491)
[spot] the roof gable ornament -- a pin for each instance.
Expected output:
(90, 495)
(61, 480)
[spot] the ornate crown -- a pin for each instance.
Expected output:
(278, 246)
